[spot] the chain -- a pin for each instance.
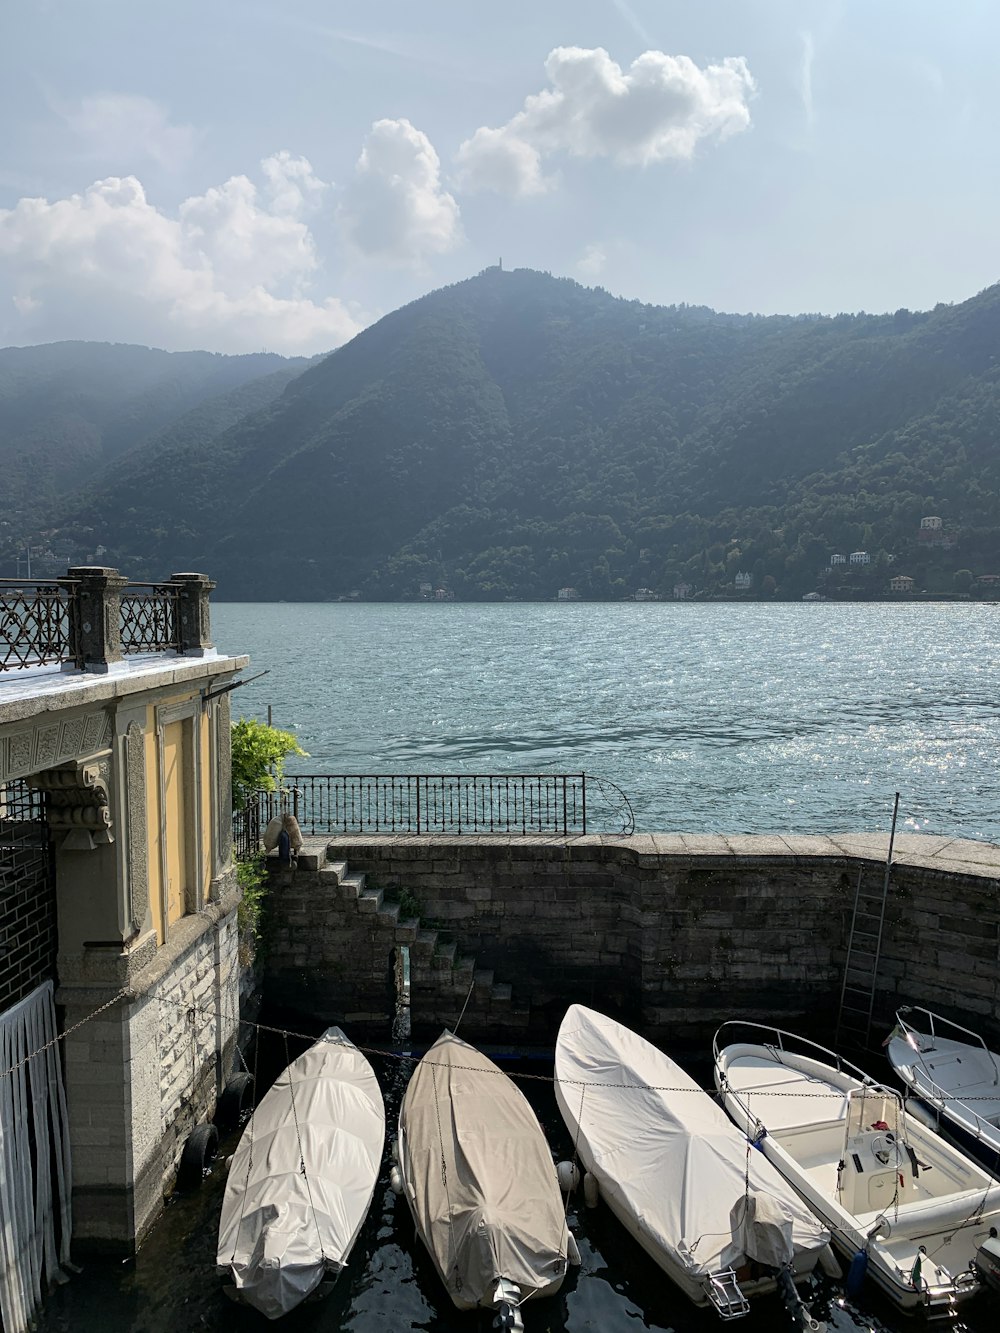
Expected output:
(61, 1036)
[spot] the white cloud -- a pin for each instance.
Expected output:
(228, 273)
(592, 261)
(123, 130)
(395, 208)
(292, 185)
(659, 109)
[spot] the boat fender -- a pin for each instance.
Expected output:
(568, 1175)
(394, 1150)
(396, 1180)
(197, 1156)
(856, 1273)
(234, 1102)
(591, 1190)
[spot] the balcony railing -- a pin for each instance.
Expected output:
(94, 617)
(564, 804)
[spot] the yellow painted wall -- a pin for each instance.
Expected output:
(208, 833)
(178, 834)
(153, 813)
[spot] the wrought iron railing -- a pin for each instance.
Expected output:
(564, 804)
(98, 618)
(35, 624)
(149, 618)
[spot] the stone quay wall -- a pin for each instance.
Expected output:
(673, 933)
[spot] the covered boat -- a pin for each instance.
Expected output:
(715, 1215)
(480, 1181)
(907, 1207)
(302, 1179)
(953, 1073)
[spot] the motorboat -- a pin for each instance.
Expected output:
(302, 1178)
(903, 1204)
(677, 1173)
(953, 1073)
(478, 1175)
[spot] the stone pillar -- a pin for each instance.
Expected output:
(194, 629)
(95, 620)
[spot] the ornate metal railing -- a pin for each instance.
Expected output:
(149, 618)
(35, 624)
(564, 804)
(94, 617)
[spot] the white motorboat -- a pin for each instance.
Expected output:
(302, 1178)
(901, 1203)
(678, 1174)
(953, 1073)
(481, 1184)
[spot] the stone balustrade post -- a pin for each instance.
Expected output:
(194, 627)
(95, 618)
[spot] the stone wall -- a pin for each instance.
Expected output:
(676, 934)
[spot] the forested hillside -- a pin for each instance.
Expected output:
(517, 433)
(68, 410)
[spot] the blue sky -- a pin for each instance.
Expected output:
(239, 174)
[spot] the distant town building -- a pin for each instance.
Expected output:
(646, 595)
(901, 583)
(838, 560)
(427, 590)
(813, 597)
(567, 595)
(443, 595)
(987, 580)
(860, 558)
(682, 591)
(743, 580)
(933, 532)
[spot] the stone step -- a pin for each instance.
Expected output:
(339, 868)
(501, 992)
(443, 958)
(424, 945)
(407, 931)
(484, 978)
(388, 915)
(370, 901)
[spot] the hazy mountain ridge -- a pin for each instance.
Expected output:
(516, 433)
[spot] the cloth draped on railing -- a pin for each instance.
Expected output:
(35, 1216)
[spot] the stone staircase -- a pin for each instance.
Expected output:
(441, 978)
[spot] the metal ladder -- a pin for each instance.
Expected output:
(864, 948)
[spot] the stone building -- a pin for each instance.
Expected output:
(119, 895)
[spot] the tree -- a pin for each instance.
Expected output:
(259, 754)
(962, 580)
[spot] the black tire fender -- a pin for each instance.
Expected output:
(199, 1152)
(233, 1101)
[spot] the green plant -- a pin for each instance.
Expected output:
(409, 904)
(252, 878)
(258, 757)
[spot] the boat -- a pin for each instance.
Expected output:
(906, 1207)
(301, 1181)
(676, 1172)
(953, 1073)
(479, 1179)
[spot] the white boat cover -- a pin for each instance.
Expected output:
(671, 1160)
(298, 1193)
(479, 1177)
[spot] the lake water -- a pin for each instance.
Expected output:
(733, 718)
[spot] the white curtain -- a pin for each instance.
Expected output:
(35, 1178)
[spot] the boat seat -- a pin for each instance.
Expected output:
(957, 1074)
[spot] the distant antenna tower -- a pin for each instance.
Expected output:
(500, 265)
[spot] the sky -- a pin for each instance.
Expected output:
(241, 175)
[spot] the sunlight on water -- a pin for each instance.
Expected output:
(729, 718)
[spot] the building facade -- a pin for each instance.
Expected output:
(116, 842)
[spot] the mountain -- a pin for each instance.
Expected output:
(518, 433)
(68, 410)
